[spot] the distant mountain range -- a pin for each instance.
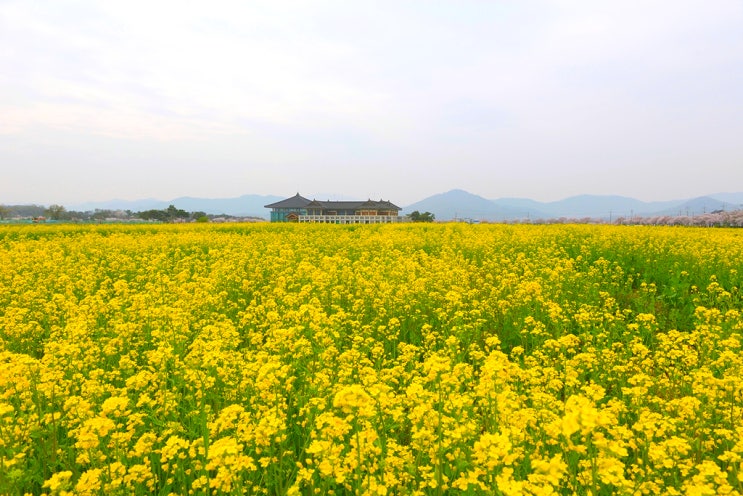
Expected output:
(459, 204)
(246, 205)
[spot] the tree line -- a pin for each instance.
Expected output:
(60, 213)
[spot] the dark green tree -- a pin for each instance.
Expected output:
(170, 214)
(176, 213)
(416, 216)
(160, 215)
(56, 212)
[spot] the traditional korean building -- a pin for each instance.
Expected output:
(300, 209)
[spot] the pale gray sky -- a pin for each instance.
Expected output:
(387, 99)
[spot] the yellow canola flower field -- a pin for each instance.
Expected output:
(387, 359)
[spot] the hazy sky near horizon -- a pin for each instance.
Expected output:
(354, 100)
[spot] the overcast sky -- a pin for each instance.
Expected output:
(357, 99)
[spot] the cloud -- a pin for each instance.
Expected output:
(449, 91)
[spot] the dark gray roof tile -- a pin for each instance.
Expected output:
(295, 201)
(298, 201)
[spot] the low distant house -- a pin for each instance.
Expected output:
(300, 209)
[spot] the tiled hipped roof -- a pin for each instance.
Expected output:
(298, 201)
(295, 201)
